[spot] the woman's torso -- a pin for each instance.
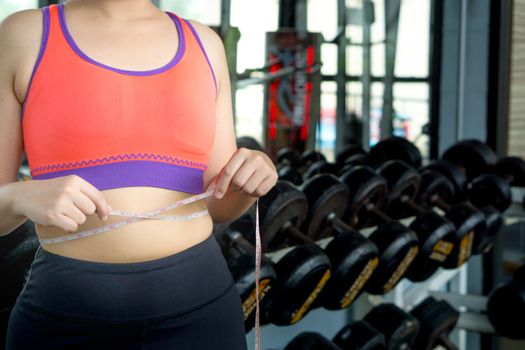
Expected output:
(117, 44)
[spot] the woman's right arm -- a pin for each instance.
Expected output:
(63, 202)
(13, 45)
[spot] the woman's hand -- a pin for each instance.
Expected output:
(249, 171)
(63, 202)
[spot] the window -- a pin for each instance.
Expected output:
(205, 11)
(411, 99)
(253, 18)
(413, 43)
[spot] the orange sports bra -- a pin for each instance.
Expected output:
(114, 127)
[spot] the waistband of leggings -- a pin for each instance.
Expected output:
(164, 262)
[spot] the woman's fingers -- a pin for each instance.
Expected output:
(250, 171)
(265, 186)
(229, 171)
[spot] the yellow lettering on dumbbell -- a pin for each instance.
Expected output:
(441, 250)
(249, 304)
(465, 248)
(400, 271)
(359, 283)
(298, 314)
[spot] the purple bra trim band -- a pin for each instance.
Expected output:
(178, 56)
(137, 173)
(43, 45)
(118, 158)
(203, 51)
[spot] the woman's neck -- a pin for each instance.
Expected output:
(115, 9)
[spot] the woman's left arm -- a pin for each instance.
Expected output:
(238, 176)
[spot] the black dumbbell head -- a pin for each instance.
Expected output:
(326, 195)
(354, 259)
(311, 341)
(351, 162)
(435, 234)
(470, 229)
(360, 335)
(242, 268)
(396, 148)
(303, 272)
(490, 189)
(434, 185)
(284, 203)
(436, 319)
(320, 167)
(347, 152)
(287, 155)
(366, 188)
(454, 174)
(473, 156)
(403, 180)
(505, 309)
(249, 142)
(398, 246)
(288, 173)
(311, 156)
(493, 223)
(399, 327)
(241, 263)
(511, 168)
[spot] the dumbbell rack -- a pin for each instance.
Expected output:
(406, 295)
(448, 285)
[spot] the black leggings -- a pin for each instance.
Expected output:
(184, 301)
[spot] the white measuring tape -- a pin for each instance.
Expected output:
(155, 214)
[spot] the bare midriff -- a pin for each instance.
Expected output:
(145, 240)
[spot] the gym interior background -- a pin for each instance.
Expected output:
(339, 76)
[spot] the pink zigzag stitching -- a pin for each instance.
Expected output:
(148, 156)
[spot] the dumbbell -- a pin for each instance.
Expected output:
(352, 155)
(493, 216)
(369, 195)
(513, 166)
(296, 168)
(302, 273)
(491, 189)
(311, 341)
(348, 153)
(473, 156)
(17, 252)
(506, 306)
(249, 142)
(242, 267)
(353, 258)
(436, 319)
(289, 156)
(327, 200)
(396, 147)
(436, 190)
(475, 159)
(398, 326)
(288, 162)
(490, 180)
(360, 335)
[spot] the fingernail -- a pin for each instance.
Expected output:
(219, 195)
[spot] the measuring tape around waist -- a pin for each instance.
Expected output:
(156, 215)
